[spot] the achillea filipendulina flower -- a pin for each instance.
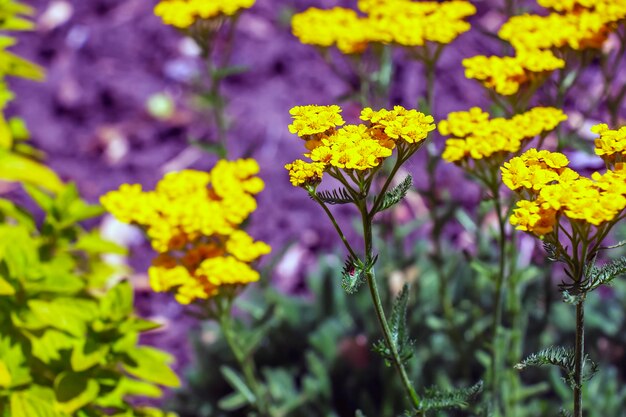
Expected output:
(553, 192)
(338, 27)
(183, 13)
(507, 74)
(353, 147)
(476, 136)
(401, 22)
(611, 145)
(193, 220)
(577, 24)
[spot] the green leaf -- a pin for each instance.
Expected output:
(5, 287)
(117, 304)
(36, 402)
(232, 402)
(5, 375)
(396, 194)
(352, 275)
(23, 217)
(436, 399)
(69, 314)
(93, 243)
(48, 347)
(150, 364)
(336, 197)
(75, 391)
(44, 200)
(88, 353)
(399, 336)
(13, 358)
(228, 71)
(564, 358)
(17, 168)
(236, 381)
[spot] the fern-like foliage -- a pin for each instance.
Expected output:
(564, 358)
(399, 335)
(553, 252)
(396, 194)
(437, 399)
(593, 277)
(352, 275)
(334, 197)
(564, 413)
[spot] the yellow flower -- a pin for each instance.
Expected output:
(353, 147)
(554, 189)
(476, 136)
(611, 145)
(507, 74)
(192, 217)
(305, 173)
(184, 13)
(401, 22)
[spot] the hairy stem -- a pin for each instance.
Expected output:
(579, 355)
(500, 280)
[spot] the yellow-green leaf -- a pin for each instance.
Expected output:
(17, 168)
(5, 375)
(6, 288)
(74, 391)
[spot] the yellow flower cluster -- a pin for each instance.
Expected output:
(476, 136)
(192, 219)
(611, 145)
(401, 22)
(577, 24)
(553, 190)
(506, 74)
(183, 13)
(352, 147)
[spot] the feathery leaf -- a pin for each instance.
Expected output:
(396, 194)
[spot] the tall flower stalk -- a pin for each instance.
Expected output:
(573, 215)
(353, 156)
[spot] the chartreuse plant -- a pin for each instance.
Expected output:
(352, 155)
(194, 221)
(68, 335)
(573, 215)
(203, 22)
(479, 145)
(18, 160)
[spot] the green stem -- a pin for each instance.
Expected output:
(380, 312)
(500, 280)
(245, 362)
(579, 355)
(397, 361)
(334, 221)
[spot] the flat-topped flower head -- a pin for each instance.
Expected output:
(554, 192)
(184, 13)
(359, 147)
(192, 217)
(506, 75)
(475, 136)
(401, 22)
(312, 120)
(611, 145)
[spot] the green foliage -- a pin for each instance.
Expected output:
(335, 197)
(437, 399)
(399, 334)
(396, 194)
(563, 358)
(352, 275)
(68, 336)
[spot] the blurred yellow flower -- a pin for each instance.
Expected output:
(183, 13)
(193, 220)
